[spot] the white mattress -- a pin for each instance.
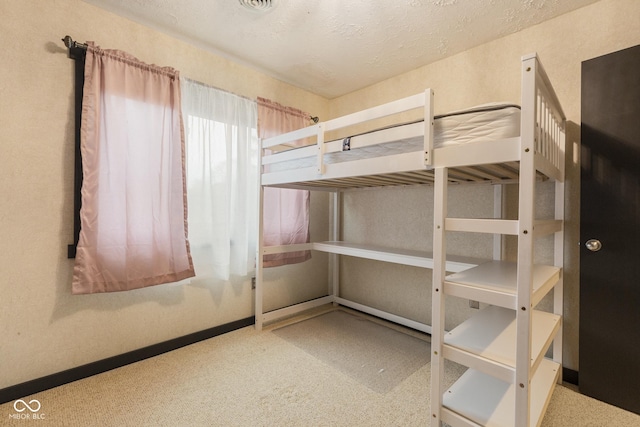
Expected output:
(482, 123)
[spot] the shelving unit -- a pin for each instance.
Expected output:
(509, 381)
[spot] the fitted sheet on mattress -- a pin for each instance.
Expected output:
(481, 123)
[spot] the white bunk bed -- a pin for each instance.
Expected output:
(509, 380)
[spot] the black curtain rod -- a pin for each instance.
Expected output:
(71, 44)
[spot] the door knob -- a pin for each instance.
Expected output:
(594, 245)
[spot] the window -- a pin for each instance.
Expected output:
(222, 181)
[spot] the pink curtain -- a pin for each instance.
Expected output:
(133, 216)
(286, 211)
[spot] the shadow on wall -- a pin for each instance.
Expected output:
(571, 271)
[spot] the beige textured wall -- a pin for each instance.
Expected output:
(43, 328)
(490, 72)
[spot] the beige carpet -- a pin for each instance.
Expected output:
(369, 352)
(250, 378)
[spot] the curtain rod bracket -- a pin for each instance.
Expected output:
(70, 43)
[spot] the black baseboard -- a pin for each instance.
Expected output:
(570, 376)
(54, 380)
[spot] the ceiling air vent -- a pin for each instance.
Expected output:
(257, 5)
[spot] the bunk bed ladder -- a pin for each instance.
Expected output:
(520, 374)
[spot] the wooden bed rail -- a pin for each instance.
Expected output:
(422, 100)
(540, 102)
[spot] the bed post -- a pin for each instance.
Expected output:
(334, 259)
(321, 147)
(526, 209)
(437, 292)
(428, 127)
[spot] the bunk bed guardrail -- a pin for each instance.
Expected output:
(494, 160)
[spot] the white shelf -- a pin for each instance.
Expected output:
(413, 258)
(478, 398)
(478, 225)
(500, 226)
(494, 282)
(487, 341)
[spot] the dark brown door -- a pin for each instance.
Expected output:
(610, 229)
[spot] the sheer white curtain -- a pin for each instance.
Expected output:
(222, 181)
(133, 215)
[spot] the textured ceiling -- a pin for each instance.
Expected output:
(333, 47)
